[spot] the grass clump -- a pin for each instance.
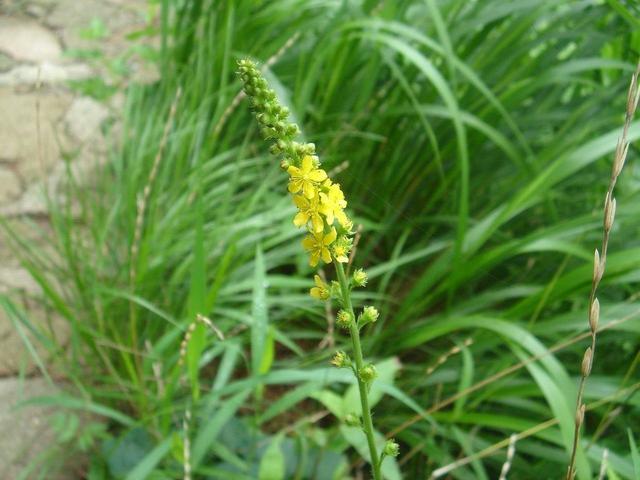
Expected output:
(471, 138)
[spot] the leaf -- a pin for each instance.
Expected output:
(210, 428)
(196, 302)
(272, 464)
(259, 318)
(387, 370)
(357, 439)
(146, 466)
(635, 454)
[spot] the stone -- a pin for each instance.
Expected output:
(46, 73)
(19, 133)
(73, 20)
(27, 41)
(6, 63)
(26, 431)
(10, 185)
(84, 118)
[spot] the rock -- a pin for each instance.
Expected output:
(10, 185)
(26, 432)
(17, 278)
(6, 63)
(73, 20)
(84, 117)
(19, 132)
(45, 73)
(28, 41)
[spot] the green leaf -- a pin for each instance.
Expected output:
(635, 454)
(259, 313)
(150, 461)
(272, 464)
(210, 428)
(387, 370)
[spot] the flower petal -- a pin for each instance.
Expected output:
(330, 237)
(317, 175)
(294, 186)
(301, 202)
(309, 242)
(294, 171)
(318, 224)
(300, 219)
(316, 292)
(326, 255)
(307, 164)
(313, 259)
(308, 189)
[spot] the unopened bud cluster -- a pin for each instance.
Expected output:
(272, 116)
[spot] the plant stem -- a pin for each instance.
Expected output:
(367, 422)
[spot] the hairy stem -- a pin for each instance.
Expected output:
(367, 422)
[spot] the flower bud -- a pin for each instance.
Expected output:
(292, 130)
(368, 315)
(341, 360)
(344, 319)
(274, 150)
(391, 448)
(586, 362)
(368, 373)
(284, 164)
(597, 267)
(609, 212)
(321, 290)
(594, 314)
(359, 278)
(352, 420)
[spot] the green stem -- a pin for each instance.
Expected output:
(367, 422)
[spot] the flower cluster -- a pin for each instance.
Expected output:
(320, 201)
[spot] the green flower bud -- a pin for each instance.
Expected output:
(344, 319)
(335, 289)
(352, 420)
(368, 315)
(360, 278)
(391, 448)
(368, 373)
(341, 360)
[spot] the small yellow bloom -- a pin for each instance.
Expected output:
(308, 211)
(332, 204)
(317, 244)
(306, 177)
(341, 249)
(321, 290)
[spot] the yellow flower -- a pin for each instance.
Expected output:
(321, 290)
(332, 204)
(308, 211)
(341, 249)
(306, 177)
(317, 245)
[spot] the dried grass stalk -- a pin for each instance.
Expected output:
(599, 263)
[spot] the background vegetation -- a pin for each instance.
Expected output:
(473, 140)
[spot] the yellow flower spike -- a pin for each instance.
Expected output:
(308, 211)
(321, 290)
(306, 177)
(317, 244)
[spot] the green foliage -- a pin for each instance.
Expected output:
(473, 141)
